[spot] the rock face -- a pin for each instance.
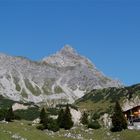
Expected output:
(18, 106)
(76, 116)
(129, 104)
(60, 78)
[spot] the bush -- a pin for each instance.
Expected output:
(94, 125)
(17, 117)
(53, 125)
(47, 122)
(95, 116)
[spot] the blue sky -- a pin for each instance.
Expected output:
(105, 31)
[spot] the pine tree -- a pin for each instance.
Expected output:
(9, 115)
(84, 118)
(60, 118)
(119, 121)
(67, 119)
(43, 116)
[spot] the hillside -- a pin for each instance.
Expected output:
(102, 100)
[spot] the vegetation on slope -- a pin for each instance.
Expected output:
(102, 100)
(5, 103)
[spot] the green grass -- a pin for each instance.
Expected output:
(24, 130)
(4, 136)
(31, 133)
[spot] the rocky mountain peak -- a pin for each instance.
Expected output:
(65, 77)
(68, 49)
(66, 57)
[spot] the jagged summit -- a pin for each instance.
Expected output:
(68, 49)
(66, 57)
(62, 78)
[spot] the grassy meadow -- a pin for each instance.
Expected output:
(25, 130)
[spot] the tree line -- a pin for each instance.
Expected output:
(64, 120)
(8, 115)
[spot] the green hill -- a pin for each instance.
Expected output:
(102, 100)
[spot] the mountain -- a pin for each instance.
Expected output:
(60, 78)
(102, 100)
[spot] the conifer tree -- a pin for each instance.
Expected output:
(67, 119)
(60, 118)
(84, 118)
(43, 116)
(9, 115)
(119, 121)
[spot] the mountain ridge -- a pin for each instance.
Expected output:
(62, 77)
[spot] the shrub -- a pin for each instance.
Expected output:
(2, 114)
(17, 117)
(53, 125)
(94, 125)
(47, 122)
(50, 124)
(95, 116)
